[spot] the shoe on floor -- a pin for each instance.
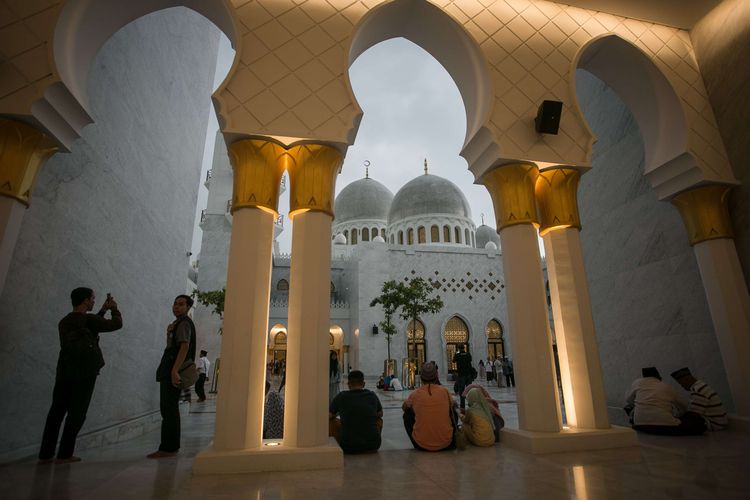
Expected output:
(68, 460)
(161, 454)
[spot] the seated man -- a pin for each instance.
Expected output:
(427, 414)
(653, 403)
(704, 401)
(358, 430)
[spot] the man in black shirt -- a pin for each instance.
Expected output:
(361, 414)
(463, 372)
(77, 368)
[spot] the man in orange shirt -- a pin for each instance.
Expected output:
(427, 414)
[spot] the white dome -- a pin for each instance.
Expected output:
(486, 234)
(378, 239)
(340, 239)
(363, 199)
(490, 246)
(428, 195)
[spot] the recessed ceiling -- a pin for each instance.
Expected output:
(678, 13)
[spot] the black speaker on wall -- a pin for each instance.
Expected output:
(374, 329)
(547, 119)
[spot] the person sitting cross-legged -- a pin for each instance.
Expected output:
(361, 417)
(704, 401)
(479, 426)
(427, 413)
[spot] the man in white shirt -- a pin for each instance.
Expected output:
(203, 365)
(653, 405)
(498, 365)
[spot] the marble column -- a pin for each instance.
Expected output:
(578, 353)
(312, 176)
(705, 213)
(511, 187)
(23, 151)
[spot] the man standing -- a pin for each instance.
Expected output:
(358, 429)
(498, 366)
(180, 346)
(203, 365)
(510, 378)
(77, 368)
(463, 372)
(653, 405)
(704, 401)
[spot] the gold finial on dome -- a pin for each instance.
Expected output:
(367, 169)
(425, 166)
(482, 216)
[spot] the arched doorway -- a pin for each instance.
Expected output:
(495, 344)
(415, 342)
(277, 347)
(456, 333)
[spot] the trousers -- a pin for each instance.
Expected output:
(199, 390)
(71, 396)
(169, 405)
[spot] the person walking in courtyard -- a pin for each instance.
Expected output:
(203, 365)
(360, 422)
(498, 367)
(478, 424)
(704, 401)
(427, 420)
(510, 378)
(482, 370)
(78, 366)
(334, 376)
(463, 372)
(180, 347)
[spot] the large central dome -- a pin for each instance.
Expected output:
(363, 199)
(428, 195)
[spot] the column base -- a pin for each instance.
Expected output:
(539, 443)
(268, 458)
(739, 423)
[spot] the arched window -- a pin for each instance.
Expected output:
(457, 233)
(346, 235)
(495, 345)
(279, 346)
(400, 237)
(456, 333)
(410, 236)
(354, 236)
(282, 285)
(467, 238)
(382, 233)
(415, 339)
(446, 234)
(365, 234)
(434, 234)
(421, 236)
(373, 232)
(473, 241)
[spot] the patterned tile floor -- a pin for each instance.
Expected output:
(712, 466)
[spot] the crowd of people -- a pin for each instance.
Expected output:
(433, 420)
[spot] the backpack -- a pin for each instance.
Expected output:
(80, 354)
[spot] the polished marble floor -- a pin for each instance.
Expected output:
(712, 466)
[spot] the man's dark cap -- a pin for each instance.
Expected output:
(650, 371)
(429, 372)
(356, 376)
(682, 372)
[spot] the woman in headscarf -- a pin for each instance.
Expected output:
(479, 426)
(497, 418)
(334, 376)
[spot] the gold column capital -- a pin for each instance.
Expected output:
(23, 151)
(705, 212)
(258, 166)
(556, 192)
(511, 188)
(312, 177)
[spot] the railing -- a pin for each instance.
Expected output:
(284, 302)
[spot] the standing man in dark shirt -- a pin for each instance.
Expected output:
(463, 372)
(180, 346)
(77, 368)
(361, 414)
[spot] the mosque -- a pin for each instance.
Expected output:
(426, 230)
(614, 131)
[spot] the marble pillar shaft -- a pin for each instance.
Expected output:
(306, 409)
(11, 217)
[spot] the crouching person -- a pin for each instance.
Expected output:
(360, 417)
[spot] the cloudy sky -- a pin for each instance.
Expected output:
(412, 111)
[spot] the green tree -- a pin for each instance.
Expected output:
(415, 299)
(389, 300)
(213, 298)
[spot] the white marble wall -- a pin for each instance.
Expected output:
(647, 298)
(376, 264)
(116, 214)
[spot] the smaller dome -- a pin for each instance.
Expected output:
(340, 239)
(490, 246)
(378, 239)
(486, 234)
